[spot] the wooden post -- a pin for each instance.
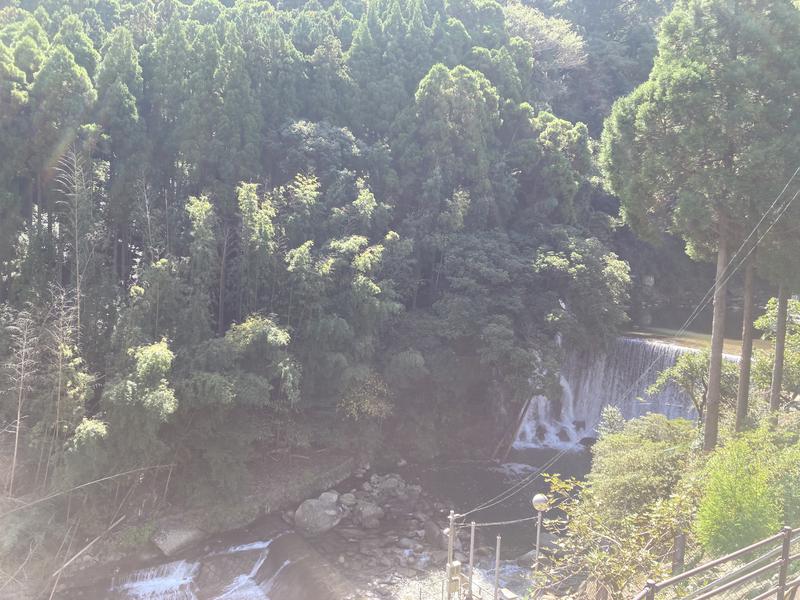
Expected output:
(651, 590)
(787, 544)
(454, 579)
(679, 554)
(497, 570)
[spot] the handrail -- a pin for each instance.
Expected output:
(705, 567)
(733, 574)
(740, 580)
(739, 574)
(767, 594)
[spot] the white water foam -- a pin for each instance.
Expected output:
(171, 581)
(177, 580)
(590, 381)
(267, 585)
(244, 587)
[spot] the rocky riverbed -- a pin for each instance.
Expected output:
(388, 537)
(382, 534)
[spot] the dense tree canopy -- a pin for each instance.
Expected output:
(256, 210)
(229, 225)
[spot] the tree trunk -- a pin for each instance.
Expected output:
(221, 291)
(717, 342)
(743, 394)
(21, 385)
(780, 348)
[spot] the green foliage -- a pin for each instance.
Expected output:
(134, 538)
(690, 375)
(611, 421)
(137, 405)
(741, 503)
(763, 360)
(640, 465)
(788, 479)
(620, 523)
(367, 209)
(366, 395)
(663, 153)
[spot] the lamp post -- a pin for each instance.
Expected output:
(540, 504)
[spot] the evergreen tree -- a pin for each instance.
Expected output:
(702, 147)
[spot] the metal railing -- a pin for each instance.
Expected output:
(755, 570)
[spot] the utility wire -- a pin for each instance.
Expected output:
(519, 486)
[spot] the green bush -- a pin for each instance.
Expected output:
(641, 464)
(643, 480)
(741, 503)
(787, 478)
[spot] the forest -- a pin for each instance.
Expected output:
(231, 225)
(211, 212)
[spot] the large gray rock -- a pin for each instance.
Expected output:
(434, 535)
(391, 484)
(348, 499)
(369, 514)
(330, 497)
(317, 515)
(170, 540)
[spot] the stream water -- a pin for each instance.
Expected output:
(264, 561)
(268, 561)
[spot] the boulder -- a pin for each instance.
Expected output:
(330, 497)
(390, 484)
(369, 514)
(348, 499)
(317, 515)
(171, 540)
(434, 535)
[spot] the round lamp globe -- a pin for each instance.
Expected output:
(540, 502)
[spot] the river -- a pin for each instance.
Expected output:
(269, 561)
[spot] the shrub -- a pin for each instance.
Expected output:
(641, 464)
(741, 503)
(618, 526)
(787, 478)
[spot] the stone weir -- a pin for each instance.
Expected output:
(591, 380)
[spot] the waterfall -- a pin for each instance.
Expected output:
(242, 565)
(591, 380)
(171, 581)
(262, 562)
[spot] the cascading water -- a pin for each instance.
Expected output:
(172, 581)
(590, 381)
(280, 567)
